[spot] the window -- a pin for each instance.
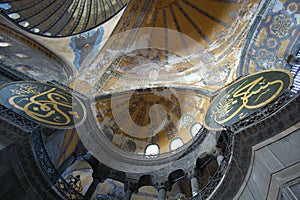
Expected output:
(5, 44)
(176, 143)
(195, 129)
(14, 15)
(24, 24)
(152, 149)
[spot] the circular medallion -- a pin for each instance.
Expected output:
(43, 103)
(245, 97)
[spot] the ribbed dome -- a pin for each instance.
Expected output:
(60, 18)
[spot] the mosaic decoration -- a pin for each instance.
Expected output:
(5, 6)
(84, 44)
(246, 96)
(205, 39)
(132, 120)
(272, 38)
(43, 103)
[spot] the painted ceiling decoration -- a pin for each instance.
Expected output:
(85, 43)
(213, 39)
(272, 38)
(133, 120)
(60, 18)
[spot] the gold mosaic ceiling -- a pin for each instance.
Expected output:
(164, 44)
(181, 43)
(159, 116)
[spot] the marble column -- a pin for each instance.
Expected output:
(195, 186)
(128, 194)
(162, 193)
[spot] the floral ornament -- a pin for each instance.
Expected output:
(280, 25)
(265, 59)
(293, 7)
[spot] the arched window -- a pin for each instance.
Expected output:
(5, 44)
(14, 15)
(195, 129)
(176, 143)
(24, 23)
(152, 149)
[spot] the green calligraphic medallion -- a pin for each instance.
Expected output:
(246, 96)
(43, 103)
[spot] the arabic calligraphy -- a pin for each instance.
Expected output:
(245, 96)
(44, 103)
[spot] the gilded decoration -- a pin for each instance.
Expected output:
(43, 103)
(150, 85)
(246, 96)
(204, 39)
(135, 119)
(281, 25)
(272, 38)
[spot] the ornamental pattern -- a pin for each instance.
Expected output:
(272, 38)
(281, 25)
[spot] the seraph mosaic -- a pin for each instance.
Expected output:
(84, 44)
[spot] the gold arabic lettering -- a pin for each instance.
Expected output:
(242, 94)
(50, 108)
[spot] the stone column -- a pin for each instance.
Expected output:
(100, 173)
(128, 194)
(162, 193)
(195, 186)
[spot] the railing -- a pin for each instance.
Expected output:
(16, 119)
(215, 181)
(68, 188)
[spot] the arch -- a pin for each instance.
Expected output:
(146, 180)
(176, 176)
(145, 192)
